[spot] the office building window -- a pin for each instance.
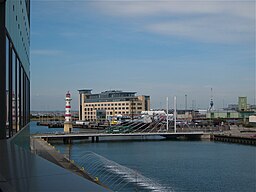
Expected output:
(14, 68)
(17, 92)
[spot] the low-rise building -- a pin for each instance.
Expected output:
(232, 107)
(186, 115)
(107, 104)
(223, 115)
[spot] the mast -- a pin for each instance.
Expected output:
(211, 102)
(167, 111)
(175, 113)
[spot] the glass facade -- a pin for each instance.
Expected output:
(110, 96)
(14, 60)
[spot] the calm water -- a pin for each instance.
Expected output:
(170, 165)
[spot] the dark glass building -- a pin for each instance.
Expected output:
(14, 66)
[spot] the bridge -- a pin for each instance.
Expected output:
(133, 130)
(68, 137)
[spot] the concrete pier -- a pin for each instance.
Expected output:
(235, 139)
(68, 127)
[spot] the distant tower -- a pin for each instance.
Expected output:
(211, 102)
(242, 103)
(68, 121)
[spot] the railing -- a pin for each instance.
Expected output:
(117, 177)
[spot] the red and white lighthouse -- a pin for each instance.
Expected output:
(68, 119)
(68, 108)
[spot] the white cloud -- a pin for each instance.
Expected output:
(207, 29)
(207, 21)
(174, 7)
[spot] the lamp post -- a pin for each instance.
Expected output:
(132, 111)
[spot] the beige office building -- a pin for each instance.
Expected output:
(107, 104)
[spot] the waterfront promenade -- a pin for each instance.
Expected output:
(240, 135)
(20, 170)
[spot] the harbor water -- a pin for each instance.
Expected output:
(164, 165)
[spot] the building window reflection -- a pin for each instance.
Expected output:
(14, 66)
(17, 92)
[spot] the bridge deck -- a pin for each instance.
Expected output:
(82, 135)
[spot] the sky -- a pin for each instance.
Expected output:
(158, 48)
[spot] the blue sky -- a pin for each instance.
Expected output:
(157, 48)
